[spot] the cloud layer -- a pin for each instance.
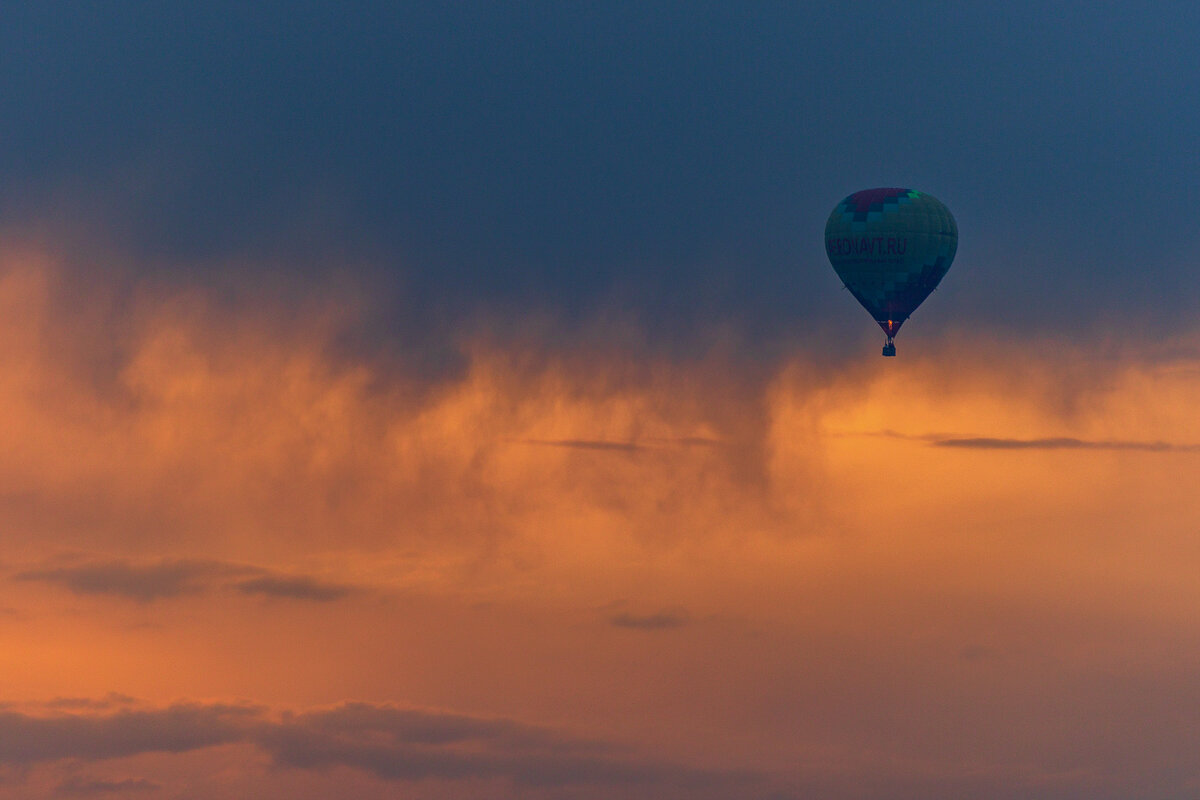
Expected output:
(758, 578)
(388, 743)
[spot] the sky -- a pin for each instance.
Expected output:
(455, 401)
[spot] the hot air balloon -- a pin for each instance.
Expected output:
(891, 247)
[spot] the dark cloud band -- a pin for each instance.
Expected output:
(388, 742)
(169, 578)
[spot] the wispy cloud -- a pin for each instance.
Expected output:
(635, 446)
(142, 582)
(589, 444)
(299, 587)
(1040, 443)
(1060, 443)
(662, 620)
(145, 582)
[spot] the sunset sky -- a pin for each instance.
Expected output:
(454, 401)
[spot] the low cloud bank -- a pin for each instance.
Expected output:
(388, 742)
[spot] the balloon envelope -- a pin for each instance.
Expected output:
(891, 247)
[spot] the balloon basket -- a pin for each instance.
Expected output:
(889, 349)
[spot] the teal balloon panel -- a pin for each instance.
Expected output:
(891, 248)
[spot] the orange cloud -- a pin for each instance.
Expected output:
(931, 573)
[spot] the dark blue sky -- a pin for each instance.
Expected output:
(673, 161)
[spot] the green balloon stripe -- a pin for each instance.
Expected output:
(891, 248)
